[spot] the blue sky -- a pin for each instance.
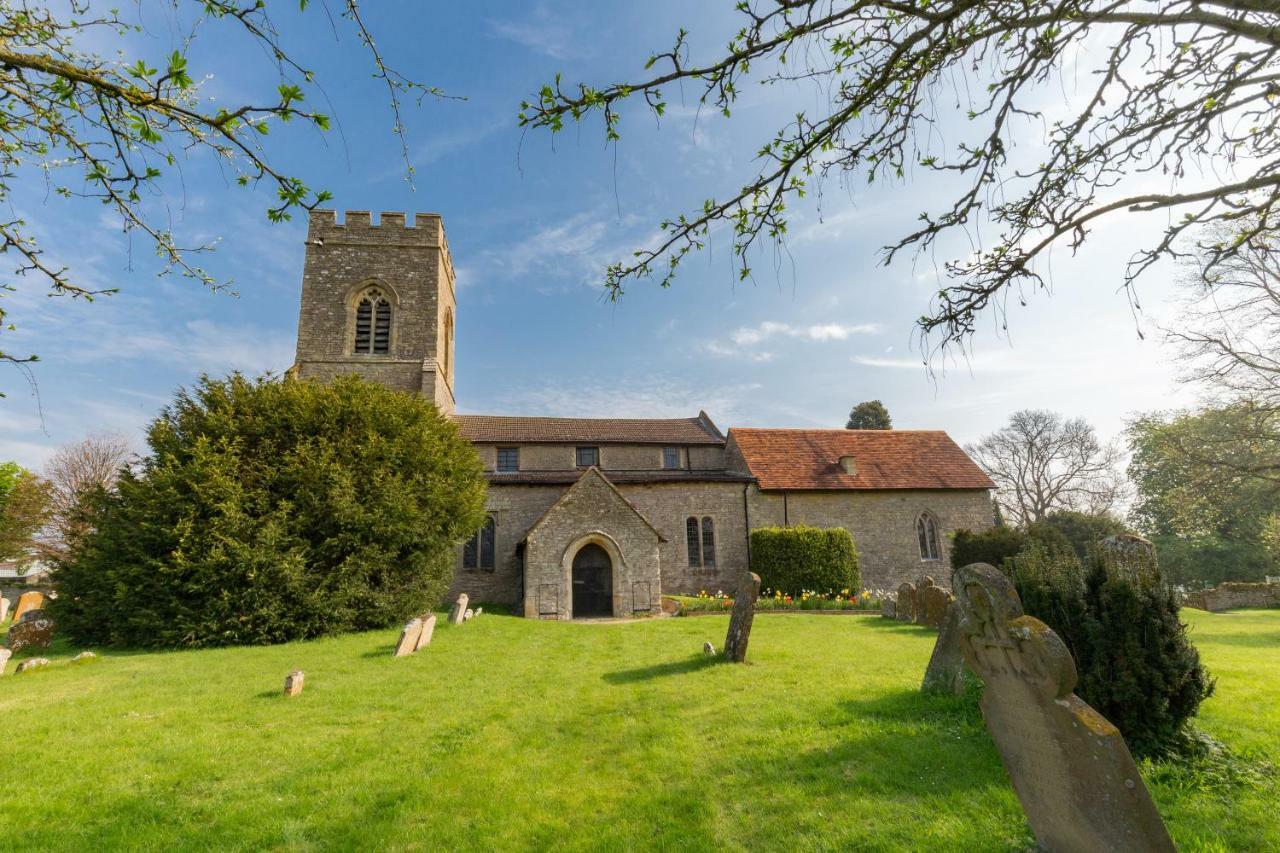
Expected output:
(532, 223)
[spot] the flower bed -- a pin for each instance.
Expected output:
(866, 601)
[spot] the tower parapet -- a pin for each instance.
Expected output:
(378, 300)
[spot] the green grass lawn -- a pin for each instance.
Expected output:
(509, 733)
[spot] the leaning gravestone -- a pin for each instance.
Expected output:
(27, 601)
(744, 611)
(936, 602)
(919, 613)
(906, 602)
(459, 611)
(35, 631)
(428, 628)
(945, 673)
(4, 608)
(5, 654)
(408, 642)
(30, 664)
(1070, 767)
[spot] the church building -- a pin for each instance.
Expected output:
(593, 517)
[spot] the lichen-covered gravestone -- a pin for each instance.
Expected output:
(428, 628)
(906, 602)
(889, 608)
(936, 601)
(408, 642)
(293, 682)
(1128, 555)
(28, 601)
(34, 631)
(459, 611)
(918, 614)
(945, 673)
(1070, 767)
(744, 610)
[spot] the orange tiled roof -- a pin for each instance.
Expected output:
(883, 459)
(492, 429)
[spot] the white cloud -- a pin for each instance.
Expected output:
(745, 337)
(541, 33)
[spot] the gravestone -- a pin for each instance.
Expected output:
(708, 649)
(5, 654)
(35, 631)
(4, 608)
(293, 682)
(459, 610)
(84, 656)
(744, 611)
(1070, 767)
(906, 602)
(1128, 555)
(919, 613)
(469, 615)
(889, 608)
(31, 663)
(936, 601)
(945, 673)
(479, 610)
(428, 628)
(408, 642)
(28, 601)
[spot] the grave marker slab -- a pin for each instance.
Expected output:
(31, 663)
(889, 608)
(5, 654)
(1073, 774)
(28, 601)
(293, 682)
(936, 602)
(918, 615)
(1128, 555)
(459, 611)
(945, 673)
(408, 642)
(35, 631)
(906, 602)
(744, 611)
(428, 628)
(4, 609)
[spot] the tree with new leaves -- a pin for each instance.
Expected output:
(870, 414)
(110, 130)
(1042, 462)
(1170, 108)
(24, 502)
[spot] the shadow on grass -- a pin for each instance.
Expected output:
(675, 667)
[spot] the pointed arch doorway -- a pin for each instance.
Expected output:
(592, 582)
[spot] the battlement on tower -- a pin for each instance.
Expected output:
(392, 228)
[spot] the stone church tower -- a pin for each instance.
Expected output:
(378, 300)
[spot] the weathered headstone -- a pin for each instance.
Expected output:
(708, 649)
(945, 673)
(428, 628)
(5, 654)
(1128, 555)
(469, 615)
(459, 610)
(936, 601)
(34, 631)
(919, 613)
(889, 608)
(906, 602)
(744, 611)
(1070, 767)
(293, 682)
(408, 642)
(84, 656)
(4, 608)
(31, 663)
(28, 601)
(479, 610)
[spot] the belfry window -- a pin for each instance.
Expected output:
(701, 541)
(927, 533)
(373, 323)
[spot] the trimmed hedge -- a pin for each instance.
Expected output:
(795, 559)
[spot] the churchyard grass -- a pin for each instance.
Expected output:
(509, 733)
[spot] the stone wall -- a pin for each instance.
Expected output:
(667, 505)
(882, 524)
(409, 262)
(514, 509)
(1231, 595)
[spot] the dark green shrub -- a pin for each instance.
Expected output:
(795, 559)
(275, 510)
(1084, 529)
(1135, 663)
(992, 546)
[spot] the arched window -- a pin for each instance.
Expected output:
(373, 323)
(478, 552)
(927, 533)
(701, 541)
(448, 342)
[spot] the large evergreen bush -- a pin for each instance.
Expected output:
(992, 546)
(275, 510)
(1136, 665)
(795, 559)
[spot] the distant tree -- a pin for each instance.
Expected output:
(1042, 462)
(74, 474)
(106, 128)
(275, 510)
(869, 415)
(1183, 88)
(24, 502)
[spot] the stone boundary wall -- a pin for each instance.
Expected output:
(1230, 595)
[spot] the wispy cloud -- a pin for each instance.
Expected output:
(541, 32)
(746, 341)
